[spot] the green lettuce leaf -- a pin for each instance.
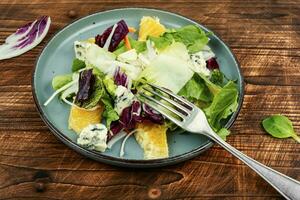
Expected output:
(97, 93)
(161, 42)
(110, 85)
(191, 36)
(121, 48)
(109, 113)
(223, 133)
(223, 105)
(195, 89)
(61, 80)
(213, 88)
(77, 65)
(139, 46)
(217, 77)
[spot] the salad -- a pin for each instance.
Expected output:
(109, 69)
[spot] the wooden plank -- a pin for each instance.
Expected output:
(264, 35)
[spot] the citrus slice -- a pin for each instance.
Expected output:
(80, 118)
(153, 139)
(150, 26)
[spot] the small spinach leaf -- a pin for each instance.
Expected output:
(280, 126)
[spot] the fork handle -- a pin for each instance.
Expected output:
(286, 186)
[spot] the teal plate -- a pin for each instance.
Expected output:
(56, 58)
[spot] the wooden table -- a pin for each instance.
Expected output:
(265, 37)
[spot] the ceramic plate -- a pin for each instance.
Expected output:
(56, 58)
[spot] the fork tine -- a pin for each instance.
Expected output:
(163, 105)
(182, 100)
(174, 103)
(155, 106)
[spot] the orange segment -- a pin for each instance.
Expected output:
(80, 118)
(153, 139)
(150, 26)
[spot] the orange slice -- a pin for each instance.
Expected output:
(80, 118)
(150, 26)
(153, 139)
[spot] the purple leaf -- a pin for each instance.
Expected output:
(86, 81)
(133, 114)
(212, 64)
(24, 28)
(115, 128)
(120, 78)
(152, 115)
(136, 111)
(126, 119)
(120, 32)
(25, 38)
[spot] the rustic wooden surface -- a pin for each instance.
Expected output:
(265, 37)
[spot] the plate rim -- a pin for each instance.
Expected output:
(124, 162)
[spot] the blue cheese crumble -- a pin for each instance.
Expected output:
(93, 137)
(124, 98)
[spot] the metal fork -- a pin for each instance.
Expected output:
(191, 118)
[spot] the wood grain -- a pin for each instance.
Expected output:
(265, 37)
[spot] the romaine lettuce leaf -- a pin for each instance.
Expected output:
(109, 113)
(195, 89)
(170, 69)
(110, 85)
(223, 105)
(213, 88)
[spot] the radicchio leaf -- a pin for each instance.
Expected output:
(121, 78)
(136, 111)
(25, 38)
(86, 81)
(115, 128)
(119, 34)
(212, 64)
(128, 119)
(152, 115)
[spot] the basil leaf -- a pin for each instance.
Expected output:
(279, 126)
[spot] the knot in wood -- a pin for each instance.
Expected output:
(154, 193)
(40, 180)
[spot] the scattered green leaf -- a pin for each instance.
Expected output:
(279, 126)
